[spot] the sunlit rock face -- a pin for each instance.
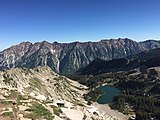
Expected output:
(68, 57)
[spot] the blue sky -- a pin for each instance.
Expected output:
(77, 20)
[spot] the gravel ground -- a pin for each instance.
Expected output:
(109, 113)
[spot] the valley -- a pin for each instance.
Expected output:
(139, 94)
(116, 79)
(40, 93)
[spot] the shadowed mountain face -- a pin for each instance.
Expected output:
(69, 57)
(139, 62)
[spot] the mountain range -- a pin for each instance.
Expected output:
(41, 93)
(69, 57)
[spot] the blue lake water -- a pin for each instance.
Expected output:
(109, 93)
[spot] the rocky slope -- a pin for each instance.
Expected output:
(40, 93)
(68, 57)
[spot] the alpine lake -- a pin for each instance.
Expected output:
(109, 93)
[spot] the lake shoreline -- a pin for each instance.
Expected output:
(108, 94)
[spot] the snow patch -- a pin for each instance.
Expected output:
(52, 51)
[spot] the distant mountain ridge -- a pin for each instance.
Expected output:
(138, 62)
(69, 57)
